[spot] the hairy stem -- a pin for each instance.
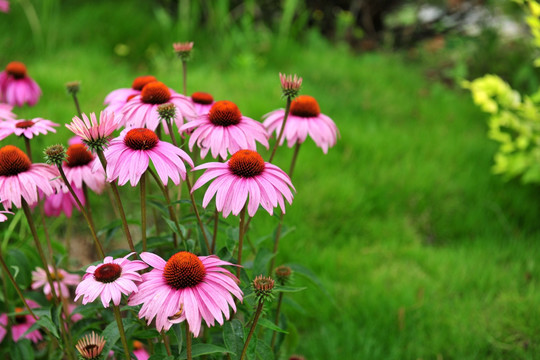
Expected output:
(252, 329)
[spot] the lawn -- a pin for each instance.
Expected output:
(421, 252)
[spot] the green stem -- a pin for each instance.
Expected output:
(214, 235)
(276, 321)
(88, 207)
(172, 214)
(196, 211)
(15, 285)
(287, 110)
(143, 209)
(188, 342)
(99, 247)
(76, 101)
(252, 329)
(41, 253)
(241, 232)
(118, 318)
(166, 343)
(28, 147)
(184, 76)
(118, 202)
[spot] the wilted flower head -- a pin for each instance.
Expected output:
(183, 50)
(263, 286)
(95, 133)
(290, 85)
(91, 346)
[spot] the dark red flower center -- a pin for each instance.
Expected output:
(24, 124)
(131, 97)
(78, 155)
(90, 348)
(246, 163)
(155, 93)
(108, 273)
(202, 98)
(305, 106)
(224, 113)
(16, 69)
(20, 319)
(183, 270)
(13, 161)
(139, 82)
(141, 139)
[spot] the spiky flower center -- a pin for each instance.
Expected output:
(184, 270)
(305, 106)
(78, 155)
(141, 139)
(24, 124)
(20, 318)
(141, 81)
(202, 98)
(224, 113)
(13, 161)
(155, 93)
(246, 163)
(16, 69)
(108, 273)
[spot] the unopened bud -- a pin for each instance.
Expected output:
(55, 154)
(263, 286)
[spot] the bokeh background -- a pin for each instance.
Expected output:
(408, 246)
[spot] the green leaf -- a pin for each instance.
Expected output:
(289, 289)
(174, 228)
(204, 349)
(111, 334)
(23, 349)
(260, 264)
(270, 325)
(233, 336)
(179, 337)
(161, 357)
(263, 351)
(308, 274)
(46, 323)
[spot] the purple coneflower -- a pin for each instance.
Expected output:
(3, 216)
(116, 99)
(95, 133)
(225, 130)
(245, 174)
(110, 280)
(26, 128)
(16, 87)
(141, 111)
(20, 179)
(62, 201)
(304, 119)
(129, 154)
(25, 322)
(186, 287)
(64, 279)
(79, 169)
(202, 102)
(6, 113)
(139, 351)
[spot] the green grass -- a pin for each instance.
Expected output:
(402, 217)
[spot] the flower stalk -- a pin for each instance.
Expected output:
(252, 329)
(241, 232)
(118, 318)
(143, 209)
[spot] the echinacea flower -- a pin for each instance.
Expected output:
(24, 322)
(62, 201)
(96, 134)
(141, 111)
(91, 346)
(110, 280)
(225, 130)
(186, 287)
(16, 87)
(79, 171)
(116, 99)
(3, 216)
(139, 351)
(305, 118)
(129, 154)
(202, 102)
(20, 179)
(26, 128)
(246, 173)
(3, 326)
(60, 283)
(6, 112)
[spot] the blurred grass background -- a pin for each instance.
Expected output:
(421, 252)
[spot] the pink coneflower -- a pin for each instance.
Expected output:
(4, 6)
(64, 279)
(245, 174)
(94, 133)
(62, 201)
(141, 111)
(116, 99)
(3, 216)
(110, 280)
(224, 129)
(139, 351)
(202, 102)
(20, 179)
(3, 326)
(186, 287)
(16, 87)
(6, 113)
(129, 154)
(304, 119)
(25, 322)
(26, 128)
(78, 168)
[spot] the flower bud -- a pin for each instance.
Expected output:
(263, 286)
(55, 154)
